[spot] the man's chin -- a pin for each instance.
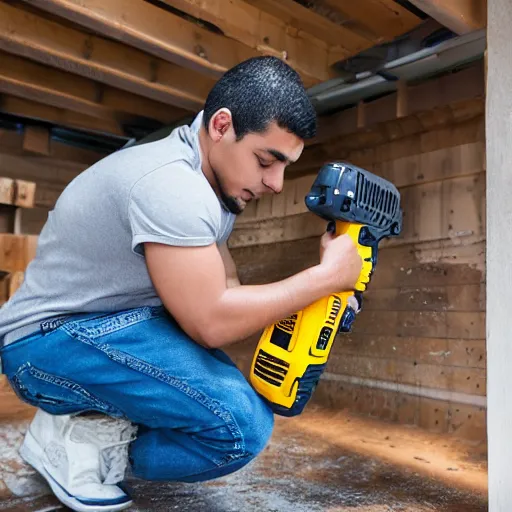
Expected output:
(234, 205)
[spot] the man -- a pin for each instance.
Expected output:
(125, 308)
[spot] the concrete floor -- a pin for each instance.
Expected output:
(321, 461)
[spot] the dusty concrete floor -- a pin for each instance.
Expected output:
(321, 461)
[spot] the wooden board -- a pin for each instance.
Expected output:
(51, 175)
(459, 379)
(382, 19)
(451, 209)
(24, 193)
(6, 190)
(420, 265)
(16, 251)
(264, 32)
(465, 297)
(15, 280)
(60, 154)
(430, 324)
(460, 16)
(151, 29)
(31, 242)
(344, 41)
(458, 352)
(36, 82)
(464, 421)
(10, 405)
(12, 252)
(110, 62)
(36, 139)
(425, 104)
(34, 110)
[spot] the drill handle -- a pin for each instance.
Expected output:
(366, 245)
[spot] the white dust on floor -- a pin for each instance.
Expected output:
(16, 476)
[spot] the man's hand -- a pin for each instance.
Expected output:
(191, 281)
(340, 260)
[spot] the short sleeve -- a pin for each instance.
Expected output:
(173, 205)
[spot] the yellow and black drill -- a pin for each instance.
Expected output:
(292, 353)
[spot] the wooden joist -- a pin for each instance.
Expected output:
(297, 17)
(36, 139)
(382, 20)
(460, 16)
(268, 32)
(58, 116)
(29, 35)
(11, 144)
(407, 101)
(35, 82)
(160, 33)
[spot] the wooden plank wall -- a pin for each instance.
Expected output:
(52, 172)
(422, 330)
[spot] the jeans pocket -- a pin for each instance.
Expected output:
(54, 394)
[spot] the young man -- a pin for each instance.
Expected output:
(126, 305)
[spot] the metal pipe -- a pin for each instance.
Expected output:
(442, 57)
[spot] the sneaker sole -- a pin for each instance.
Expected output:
(31, 453)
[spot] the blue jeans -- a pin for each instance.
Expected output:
(198, 416)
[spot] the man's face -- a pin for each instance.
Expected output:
(246, 169)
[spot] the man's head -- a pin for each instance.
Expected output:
(256, 118)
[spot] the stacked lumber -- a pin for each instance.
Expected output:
(16, 252)
(16, 249)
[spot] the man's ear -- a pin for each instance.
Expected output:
(220, 123)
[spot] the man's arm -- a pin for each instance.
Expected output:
(191, 281)
(232, 279)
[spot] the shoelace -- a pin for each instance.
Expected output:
(114, 460)
(112, 437)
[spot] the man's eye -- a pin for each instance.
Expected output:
(263, 163)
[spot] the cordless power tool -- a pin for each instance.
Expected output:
(292, 353)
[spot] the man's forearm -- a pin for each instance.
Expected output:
(244, 310)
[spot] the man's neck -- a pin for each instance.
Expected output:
(204, 148)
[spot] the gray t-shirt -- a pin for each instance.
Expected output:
(90, 255)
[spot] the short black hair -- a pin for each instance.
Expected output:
(261, 90)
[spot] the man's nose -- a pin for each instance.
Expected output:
(275, 180)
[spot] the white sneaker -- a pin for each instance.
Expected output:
(82, 458)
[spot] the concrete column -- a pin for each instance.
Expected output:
(499, 253)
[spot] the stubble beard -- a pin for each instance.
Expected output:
(230, 202)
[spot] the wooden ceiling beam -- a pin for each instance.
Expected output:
(300, 18)
(33, 110)
(270, 32)
(460, 16)
(175, 39)
(32, 81)
(11, 143)
(106, 61)
(382, 19)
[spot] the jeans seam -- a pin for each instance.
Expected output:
(115, 322)
(62, 382)
(156, 373)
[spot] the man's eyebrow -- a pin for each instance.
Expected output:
(280, 156)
